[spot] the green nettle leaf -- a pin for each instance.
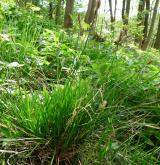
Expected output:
(35, 8)
(85, 26)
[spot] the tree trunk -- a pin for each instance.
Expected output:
(125, 16)
(127, 12)
(115, 10)
(92, 11)
(68, 22)
(58, 11)
(51, 10)
(157, 42)
(111, 11)
(148, 39)
(112, 17)
(146, 22)
(123, 9)
(111, 14)
(140, 18)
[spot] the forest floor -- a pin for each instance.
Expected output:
(66, 99)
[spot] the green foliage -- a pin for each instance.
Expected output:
(51, 114)
(66, 62)
(66, 99)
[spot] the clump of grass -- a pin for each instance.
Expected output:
(59, 121)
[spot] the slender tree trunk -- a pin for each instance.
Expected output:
(123, 9)
(91, 17)
(51, 10)
(146, 22)
(127, 12)
(140, 18)
(111, 14)
(148, 39)
(68, 22)
(125, 17)
(58, 11)
(115, 10)
(92, 11)
(111, 11)
(157, 42)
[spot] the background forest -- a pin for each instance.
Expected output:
(79, 85)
